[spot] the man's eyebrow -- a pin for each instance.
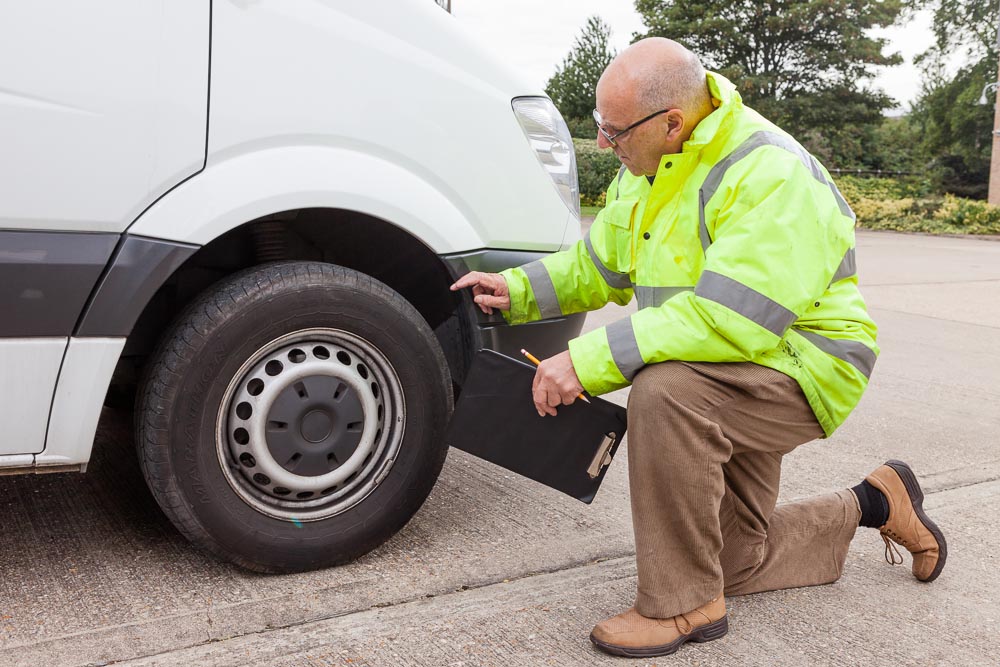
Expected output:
(610, 126)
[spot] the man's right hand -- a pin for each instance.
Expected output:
(489, 290)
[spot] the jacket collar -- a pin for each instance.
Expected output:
(674, 169)
(727, 102)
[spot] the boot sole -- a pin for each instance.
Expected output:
(705, 633)
(916, 495)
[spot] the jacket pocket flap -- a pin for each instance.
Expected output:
(619, 213)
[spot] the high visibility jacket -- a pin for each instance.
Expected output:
(742, 249)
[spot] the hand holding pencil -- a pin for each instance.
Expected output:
(555, 384)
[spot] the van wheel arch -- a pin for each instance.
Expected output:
(354, 240)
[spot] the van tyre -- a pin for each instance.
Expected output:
(293, 416)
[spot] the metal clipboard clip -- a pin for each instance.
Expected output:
(603, 456)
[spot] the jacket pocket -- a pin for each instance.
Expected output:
(618, 218)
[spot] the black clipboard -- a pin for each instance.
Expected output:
(495, 419)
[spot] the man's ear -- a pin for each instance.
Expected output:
(675, 124)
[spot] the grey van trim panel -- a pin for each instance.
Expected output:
(543, 338)
(140, 266)
(489, 261)
(46, 277)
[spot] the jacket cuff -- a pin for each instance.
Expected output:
(521, 296)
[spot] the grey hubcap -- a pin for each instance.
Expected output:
(310, 425)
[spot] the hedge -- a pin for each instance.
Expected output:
(597, 168)
(884, 203)
(908, 205)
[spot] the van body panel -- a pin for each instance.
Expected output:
(262, 182)
(76, 407)
(409, 90)
(30, 368)
(139, 267)
(45, 279)
(104, 112)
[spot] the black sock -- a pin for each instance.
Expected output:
(874, 506)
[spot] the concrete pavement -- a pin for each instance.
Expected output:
(495, 570)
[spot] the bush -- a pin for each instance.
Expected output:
(857, 187)
(597, 169)
(911, 206)
(906, 205)
(581, 128)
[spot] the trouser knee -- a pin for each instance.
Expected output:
(661, 399)
(666, 410)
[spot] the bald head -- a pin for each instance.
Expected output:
(657, 73)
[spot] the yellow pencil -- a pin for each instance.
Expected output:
(536, 362)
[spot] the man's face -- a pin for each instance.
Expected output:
(641, 148)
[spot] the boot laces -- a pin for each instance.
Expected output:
(892, 554)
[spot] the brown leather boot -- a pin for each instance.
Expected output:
(907, 525)
(633, 635)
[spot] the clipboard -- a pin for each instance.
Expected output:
(495, 419)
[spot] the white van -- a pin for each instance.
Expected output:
(240, 218)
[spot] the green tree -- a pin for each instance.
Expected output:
(805, 64)
(574, 82)
(897, 147)
(956, 128)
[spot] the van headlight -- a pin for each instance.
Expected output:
(549, 137)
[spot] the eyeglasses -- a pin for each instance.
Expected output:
(611, 137)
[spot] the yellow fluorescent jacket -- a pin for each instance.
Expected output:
(742, 249)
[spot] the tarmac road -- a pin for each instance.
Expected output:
(495, 570)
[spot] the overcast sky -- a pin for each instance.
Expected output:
(535, 35)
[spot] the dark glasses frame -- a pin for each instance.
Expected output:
(611, 138)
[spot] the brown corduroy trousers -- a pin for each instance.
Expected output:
(705, 443)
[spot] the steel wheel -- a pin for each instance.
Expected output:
(310, 424)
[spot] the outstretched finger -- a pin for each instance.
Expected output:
(468, 280)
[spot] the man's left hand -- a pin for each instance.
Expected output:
(555, 384)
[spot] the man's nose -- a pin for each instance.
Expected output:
(602, 141)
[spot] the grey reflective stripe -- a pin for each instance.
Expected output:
(714, 179)
(848, 267)
(653, 297)
(624, 348)
(748, 302)
(706, 240)
(845, 208)
(853, 352)
(614, 279)
(545, 292)
(761, 138)
(618, 190)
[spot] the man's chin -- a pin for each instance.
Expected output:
(635, 171)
